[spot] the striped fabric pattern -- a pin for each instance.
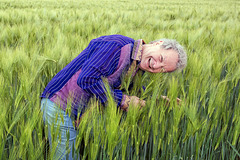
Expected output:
(99, 59)
(137, 48)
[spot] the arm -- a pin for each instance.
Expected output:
(103, 61)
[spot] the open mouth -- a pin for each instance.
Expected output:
(149, 63)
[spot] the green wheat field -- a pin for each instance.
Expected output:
(39, 37)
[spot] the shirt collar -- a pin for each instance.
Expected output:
(137, 50)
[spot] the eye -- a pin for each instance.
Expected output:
(161, 58)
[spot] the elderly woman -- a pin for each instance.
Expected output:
(105, 57)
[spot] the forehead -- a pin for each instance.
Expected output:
(170, 53)
(170, 59)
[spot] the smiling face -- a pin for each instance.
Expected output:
(156, 59)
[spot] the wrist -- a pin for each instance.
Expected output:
(125, 102)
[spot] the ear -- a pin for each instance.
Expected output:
(158, 43)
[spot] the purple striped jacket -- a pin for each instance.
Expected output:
(105, 57)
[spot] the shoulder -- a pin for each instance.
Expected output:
(117, 39)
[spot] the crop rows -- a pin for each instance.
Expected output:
(38, 38)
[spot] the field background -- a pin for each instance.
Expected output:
(38, 38)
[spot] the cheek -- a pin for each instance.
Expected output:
(141, 65)
(171, 67)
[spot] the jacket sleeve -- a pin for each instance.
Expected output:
(103, 61)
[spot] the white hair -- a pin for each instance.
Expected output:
(173, 44)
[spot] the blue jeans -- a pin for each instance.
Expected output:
(59, 125)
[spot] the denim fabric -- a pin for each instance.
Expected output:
(59, 125)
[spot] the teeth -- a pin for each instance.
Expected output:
(149, 62)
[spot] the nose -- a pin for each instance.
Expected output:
(157, 65)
